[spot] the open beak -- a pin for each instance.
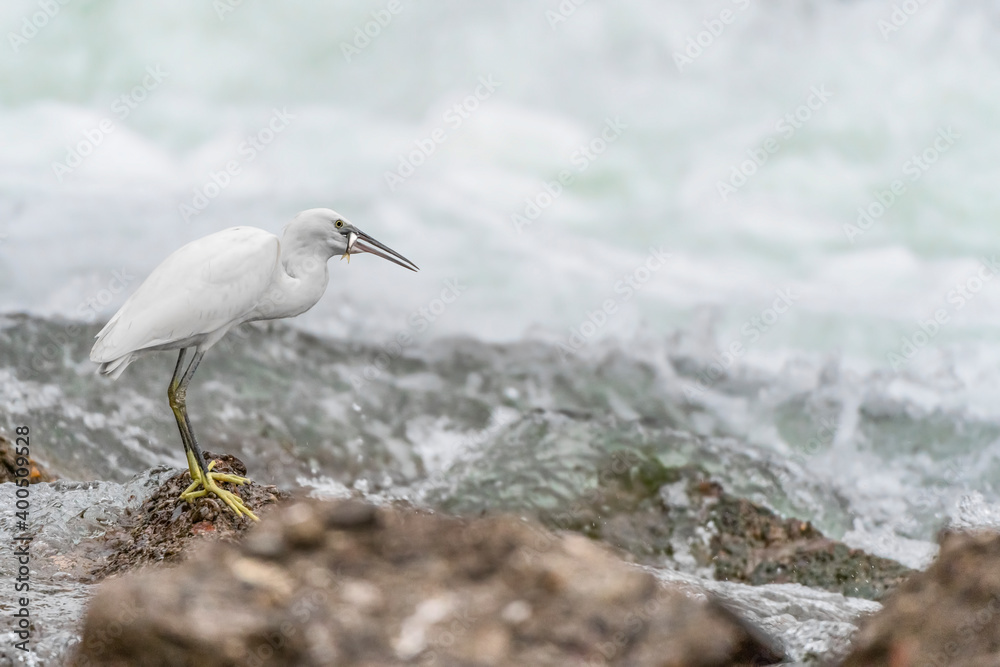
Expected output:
(361, 242)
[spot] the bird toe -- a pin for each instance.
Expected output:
(209, 484)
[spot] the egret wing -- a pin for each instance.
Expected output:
(207, 285)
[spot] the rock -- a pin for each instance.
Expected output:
(946, 615)
(9, 465)
(813, 626)
(755, 546)
(393, 586)
(162, 529)
(680, 518)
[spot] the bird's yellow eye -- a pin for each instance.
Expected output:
(340, 223)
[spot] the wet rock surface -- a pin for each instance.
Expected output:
(680, 517)
(346, 583)
(163, 528)
(673, 518)
(946, 615)
(11, 461)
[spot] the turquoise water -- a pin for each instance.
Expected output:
(766, 231)
(787, 209)
(220, 76)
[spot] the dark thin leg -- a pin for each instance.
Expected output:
(177, 393)
(175, 404)
(192, 367)
(175, 380)
(203, 480)
(182, 389)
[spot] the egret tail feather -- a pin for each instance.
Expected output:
(116, 367)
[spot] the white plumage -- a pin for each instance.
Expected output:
(238, 275)
(204, 289)
(193, 297)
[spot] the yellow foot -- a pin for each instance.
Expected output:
(209, 484)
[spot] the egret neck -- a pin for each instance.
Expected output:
(302, 277)
(205, 288)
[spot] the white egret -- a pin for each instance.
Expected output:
(211, 285)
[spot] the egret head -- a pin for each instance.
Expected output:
(340, 236)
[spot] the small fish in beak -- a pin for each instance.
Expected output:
(351, 238)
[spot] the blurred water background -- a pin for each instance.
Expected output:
(768, 224)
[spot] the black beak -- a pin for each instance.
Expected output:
(365, 243)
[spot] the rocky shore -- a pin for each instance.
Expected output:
(678, 517)
(945, 616)
(354, 583)
(662, 567)
(11, 463)
(348, 583)
(162, 530)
